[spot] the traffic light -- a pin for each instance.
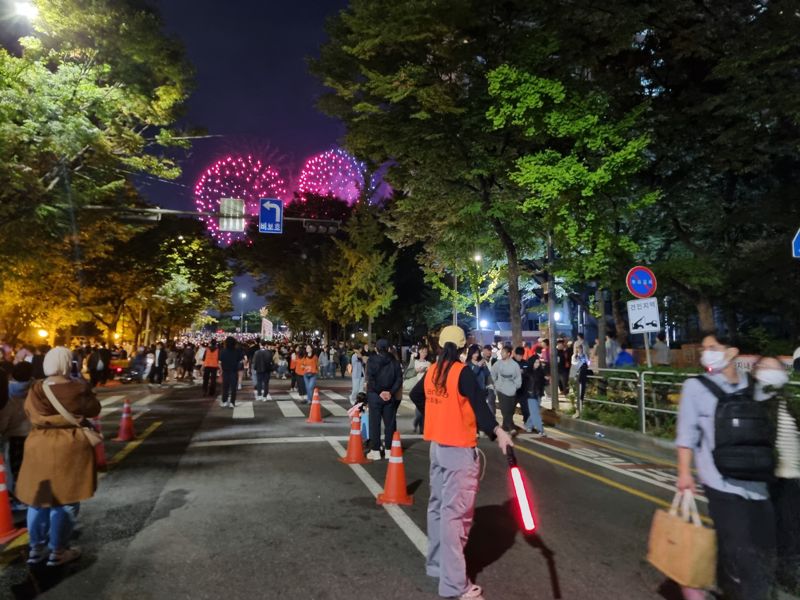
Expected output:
(317, 226)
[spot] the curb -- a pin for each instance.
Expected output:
(662, 448)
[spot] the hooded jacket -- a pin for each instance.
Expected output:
(384, 374)
(507, 376)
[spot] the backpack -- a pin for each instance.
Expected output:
(743, 434)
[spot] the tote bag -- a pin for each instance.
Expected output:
(680, 547)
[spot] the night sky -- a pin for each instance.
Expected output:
(252, 88)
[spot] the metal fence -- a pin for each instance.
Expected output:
(647, 399)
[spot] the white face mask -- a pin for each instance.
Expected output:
(772, 377)
(714, 360)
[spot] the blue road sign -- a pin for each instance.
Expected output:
(270, 215)
(641, 282)
(796, 245)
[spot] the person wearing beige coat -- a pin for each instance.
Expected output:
(58, 469)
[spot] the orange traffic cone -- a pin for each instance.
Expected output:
(7, 530)
(355, 450)
(315, 416)
(100, 449)
(394, 490)
(126, 432)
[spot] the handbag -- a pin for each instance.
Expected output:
(93, 436)
(680, 547)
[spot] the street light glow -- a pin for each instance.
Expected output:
(484, 323)
(478, 258)
(27, 10)
(43, 333)
(242, 295)
(557, 316)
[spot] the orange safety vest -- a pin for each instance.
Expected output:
(211, 359)
(449, 418)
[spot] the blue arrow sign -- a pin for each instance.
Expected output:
(796, 245)
(270, 215)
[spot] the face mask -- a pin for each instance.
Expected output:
(713, 360)
(772, 377)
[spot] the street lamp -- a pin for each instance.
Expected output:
(43, 333)
(478, 258)
(243, 296)
(26, 9)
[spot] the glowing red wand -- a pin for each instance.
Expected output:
(523, 500)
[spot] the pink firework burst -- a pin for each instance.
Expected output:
(242, 177)
(333, 173)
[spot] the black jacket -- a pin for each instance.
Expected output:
(384, 374)
(230, 359)
(262, 361)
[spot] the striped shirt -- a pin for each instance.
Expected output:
(788, 445)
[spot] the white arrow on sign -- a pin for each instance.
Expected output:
(272, 205)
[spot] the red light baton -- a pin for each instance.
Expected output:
(523, 500)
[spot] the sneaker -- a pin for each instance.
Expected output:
(63, 557)
(37, 554)
(239, 387)
(475, 592)
(374, 455)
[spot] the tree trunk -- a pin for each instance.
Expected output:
(369, 330)
(514, 296)
(601, 329)
(620, 325)
(705, 314)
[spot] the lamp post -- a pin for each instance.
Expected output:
(478, 258)
(243, 297)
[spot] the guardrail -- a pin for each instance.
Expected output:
(653, 395)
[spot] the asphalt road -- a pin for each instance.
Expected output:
(215, 503)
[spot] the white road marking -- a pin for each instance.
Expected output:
(139, 414)
(289, 408)
(404, 522)
(333, 395)
(110, 400)
(335, 409)
(244, 410)
(149, 399)
(279, 440)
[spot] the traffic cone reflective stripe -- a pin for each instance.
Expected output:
(7, 530)
(355, 450)
(100, 449)
(394, 490)
(315, 416)
(126, 432)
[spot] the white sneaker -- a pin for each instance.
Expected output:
(374, 455)
(473, 593)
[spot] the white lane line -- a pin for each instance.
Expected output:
(139, 414)
(289, 409)
(336, 410)
(404, 522)
(279, 440)
(244, 410)
(149, 399)
(110, 400)
(333, 395)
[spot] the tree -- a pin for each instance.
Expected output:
(409, 81)
(363, 275)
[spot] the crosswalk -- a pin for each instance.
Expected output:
(114, 404)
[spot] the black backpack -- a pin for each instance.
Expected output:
(743, 434)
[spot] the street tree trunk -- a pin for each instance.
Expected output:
(705, 314)
(601, 329)
(620, 325)
(514, 296)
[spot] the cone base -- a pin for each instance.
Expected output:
(354, 461)
(123, 439)
(314, 421)
(405, 501)
(12, 535)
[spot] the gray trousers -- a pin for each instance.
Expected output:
(451, 507)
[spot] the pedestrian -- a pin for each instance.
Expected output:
(564, 364)
(454, 407)
(580, 367)
(14, 424)
(262, 367)
(230, 362)
(309, 367)
(5, 364)
(624, 357)
(210, 369)
(533, 382)
(661, 351)
(293, 367)
(384, 380)
(784, 409)
(507, 378)
(58, 469)
(740, 508)
(521, 397)
(333, 362)
(421, 366)
(159, 366)
(356, 375)
(489, 359)
(344, 359)
(324, 363)
(98, 364)
(187, 363)
(612, 349)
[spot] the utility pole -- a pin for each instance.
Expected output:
(551, 322)
(601, 328)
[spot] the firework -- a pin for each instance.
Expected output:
(333, 173)
(242, 177)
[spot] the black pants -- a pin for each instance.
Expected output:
(210, 381)
(156, 374)
(785, 494)
(507, 405)
(582, 380)
(563, 381)
(378, 409)
(262, 383)
(745, 545)
(343, 368)
(230, 379)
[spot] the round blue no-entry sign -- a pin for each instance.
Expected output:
(641, 282)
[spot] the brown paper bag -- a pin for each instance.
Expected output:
(680, 547)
